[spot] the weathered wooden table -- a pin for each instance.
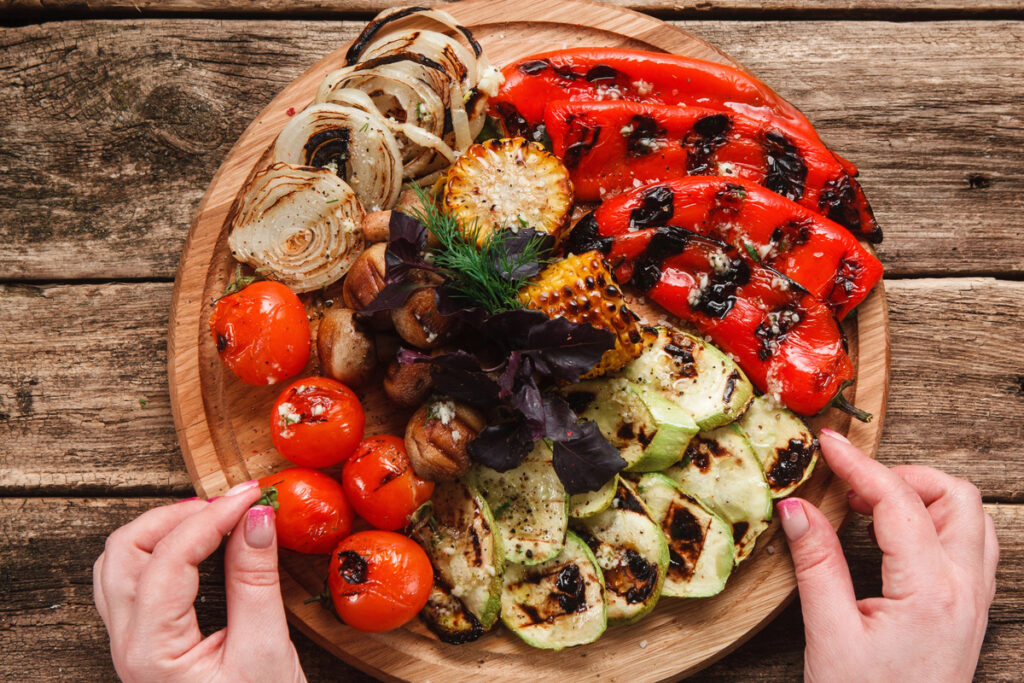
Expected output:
(114, 115)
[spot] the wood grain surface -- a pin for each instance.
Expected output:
(111, 130)
(50, 544)
(115, 129)
(222, 424)
(707, 8)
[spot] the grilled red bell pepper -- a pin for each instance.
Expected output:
(788, 342)
(609, 147)
(813, 251)
(604, 73)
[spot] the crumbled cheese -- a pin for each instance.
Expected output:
(317, 410)
(643, 87)
(626, 130)
(286, 411)
(693, 298)
(445, 412)
(719, 261)
(780, 283)
(726, 168)
(456, 436)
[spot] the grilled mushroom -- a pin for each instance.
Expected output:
(345, 349)
(437, 439)
(419, 323)
(407, 384)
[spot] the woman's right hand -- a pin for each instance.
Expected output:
(938, 574)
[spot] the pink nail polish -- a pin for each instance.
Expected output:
(185, 500)
(794, 518)
(242, 488)
(835, 435)
(259, 526)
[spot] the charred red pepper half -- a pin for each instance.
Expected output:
(788, 342)
(613, 146)
(603, 73)
(765, 228)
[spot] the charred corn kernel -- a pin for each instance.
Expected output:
(509, 183)
(582, 289)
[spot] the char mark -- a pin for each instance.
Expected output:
(534, 66)
(708, 134)
(790, 463)
(601, 73)
(646, 274)
(328, 146)
(514, 123)
(584, 237)
(787, 172)
(645, 136)
(372, 29)
(656, 208)
(585, 136)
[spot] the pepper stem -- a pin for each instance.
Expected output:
(839, 401)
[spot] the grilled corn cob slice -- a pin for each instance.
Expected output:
(582, 289)
(509, 183)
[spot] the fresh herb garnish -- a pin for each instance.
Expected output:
(489, 275)
(365, 127)
(499, 511)
(752, 251)
(239, 281)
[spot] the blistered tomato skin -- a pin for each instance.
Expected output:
(379, 580)
(316, 422)
(381, 485)
(262, 333)
(312, 512)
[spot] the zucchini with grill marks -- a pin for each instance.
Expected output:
(689, 372)
(529, 504)
(783, 443)
(700, 545)
(632, 553)
(458, 533)
(588, 504)
(722, 472)
(650, 432)
(558, 603)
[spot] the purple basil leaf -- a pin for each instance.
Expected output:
(459, 376)
(408, 356)
(565, 350)
(559, 418)
(512, 246)
(507, 379)
(586, 461)
(502, 446)
(509, 329)
(529, 402)
(394, 295)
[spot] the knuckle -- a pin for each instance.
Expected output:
(255, 577)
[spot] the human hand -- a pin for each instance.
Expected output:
(146, 581)
(938, 574)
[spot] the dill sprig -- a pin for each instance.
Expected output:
(489, 275)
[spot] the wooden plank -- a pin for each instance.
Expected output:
(340, 8)
(116, 128)
(956, 396)
(46, 586)
(77, 365)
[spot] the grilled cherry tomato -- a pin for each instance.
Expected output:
(316, 422)
(312, 512)
(381, 484)
(379, 580)
(262, 333)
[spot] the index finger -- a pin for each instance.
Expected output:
(164, 616)
(903, 527)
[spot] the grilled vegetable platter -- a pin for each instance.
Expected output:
(527, 342)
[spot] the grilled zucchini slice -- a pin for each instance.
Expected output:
(722, 472)
(509, 183)
(558, 603)
(687, 371)
(458, 533)
(700, 546)
(650, 432)
(529, 504)
(632, 554)
(592, 502)
(783, 443)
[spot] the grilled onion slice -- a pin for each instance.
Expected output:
(299, 225)
(354, 144)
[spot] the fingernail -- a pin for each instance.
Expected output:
(242, 488)
(185, 500)
(794, 519)
(259, 526)
(835, 435)
(210, 500)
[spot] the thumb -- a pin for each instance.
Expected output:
(256, 619)
(823, 579)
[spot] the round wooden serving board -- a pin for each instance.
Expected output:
(223, 425)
